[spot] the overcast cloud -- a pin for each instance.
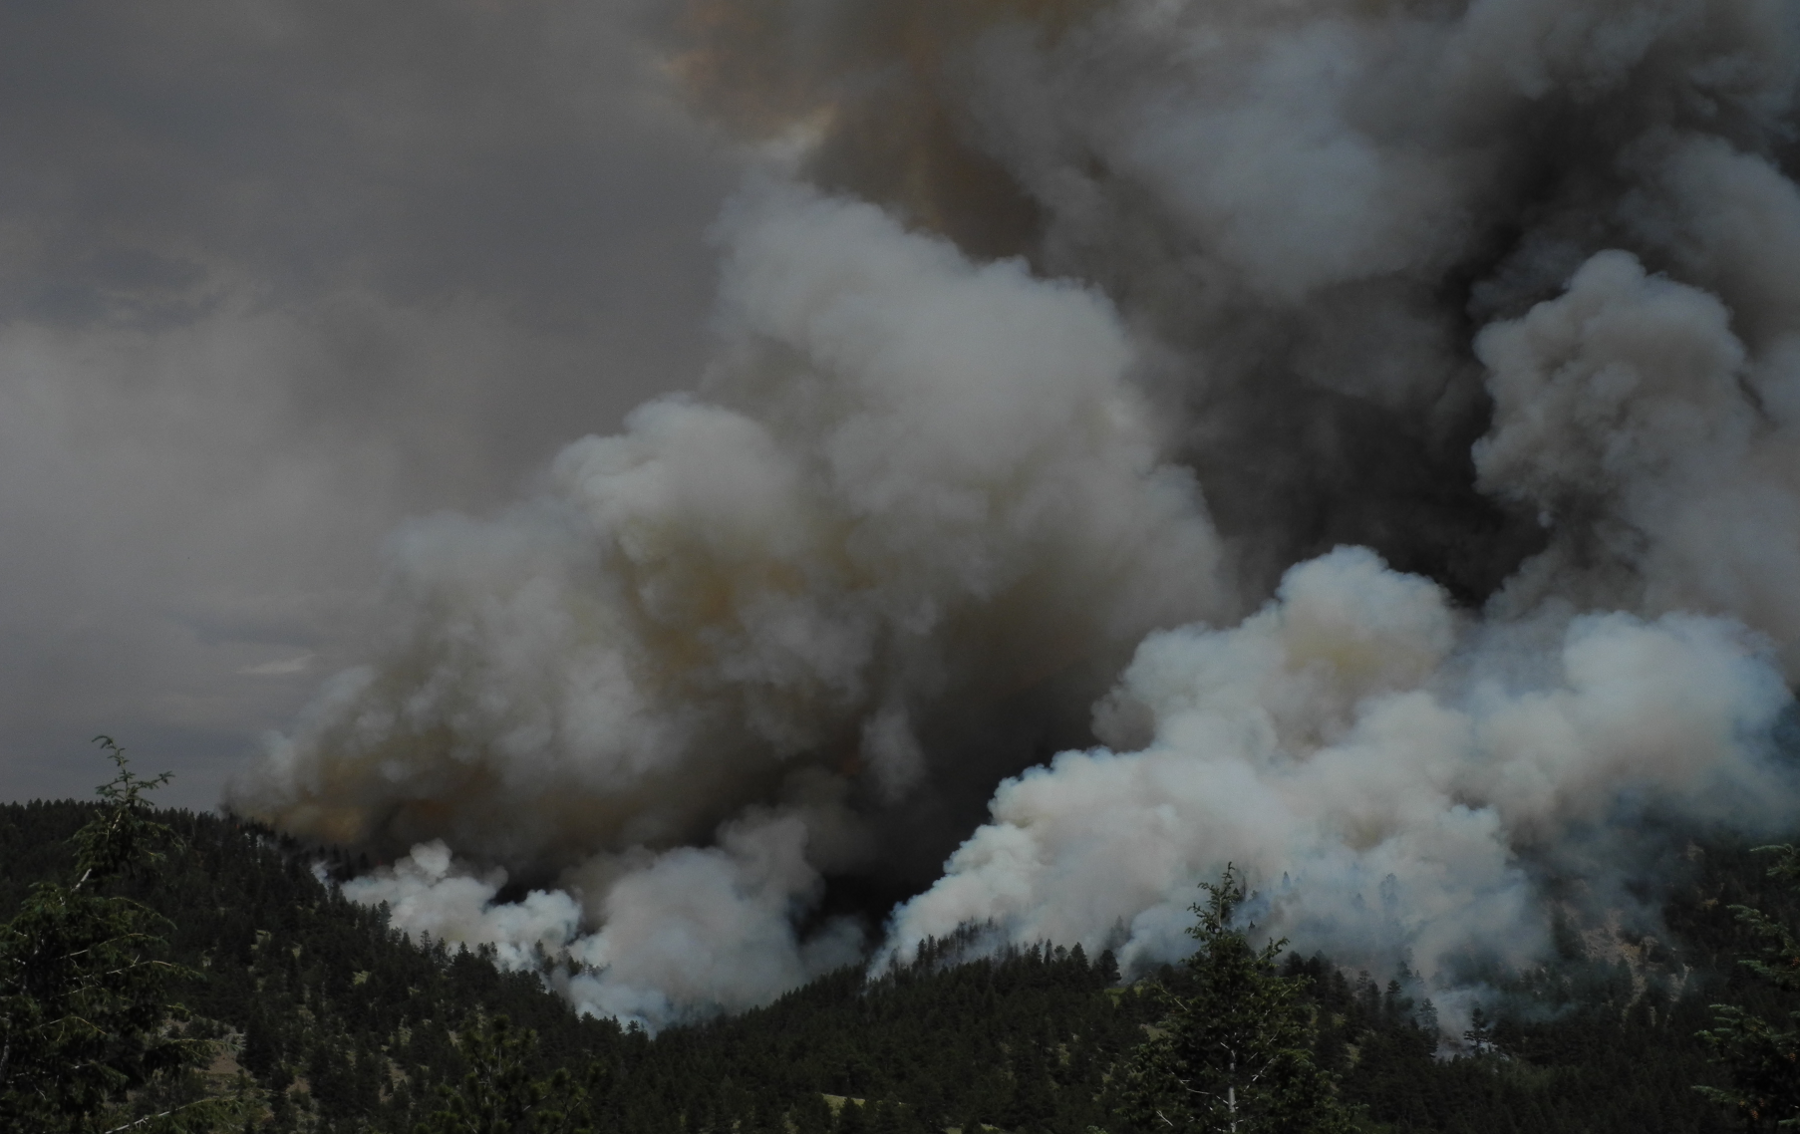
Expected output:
(274, 275)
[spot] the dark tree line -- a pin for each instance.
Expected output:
(295, 1010)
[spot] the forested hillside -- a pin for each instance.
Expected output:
(329, 1020)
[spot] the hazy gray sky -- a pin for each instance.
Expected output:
(274, 275)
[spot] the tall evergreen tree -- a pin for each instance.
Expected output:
(85, 1014)
(1762, 1055)
(812, 1115)
(1235, 1053)
(499, 1095)
(852, 1118)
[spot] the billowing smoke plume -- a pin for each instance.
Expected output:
(915, 526)
(1058, 347)
(1405, 777)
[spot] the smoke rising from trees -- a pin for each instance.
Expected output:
(1350, 439)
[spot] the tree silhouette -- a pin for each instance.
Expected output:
(499, 1095)
(1761, 1055)
(84, 1011)
(1235, 1053)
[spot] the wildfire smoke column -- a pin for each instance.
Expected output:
(1410, 384)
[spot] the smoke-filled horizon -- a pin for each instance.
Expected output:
(276, 275)
(1351, 440)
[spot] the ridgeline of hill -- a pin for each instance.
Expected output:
(332, 1021)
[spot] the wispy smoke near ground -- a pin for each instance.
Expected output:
(1358, 437)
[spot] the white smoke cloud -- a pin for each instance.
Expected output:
(686, 933)
(1382, 773)
(1631, 406)
(910, 461)
(708, 929)
(905, 463)
(1098, 330)
(424, 897)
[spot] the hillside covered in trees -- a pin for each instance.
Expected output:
(323, 1018)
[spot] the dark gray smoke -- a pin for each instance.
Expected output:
(273, 276)
(1408, 386)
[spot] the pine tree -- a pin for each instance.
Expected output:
(885, 1118)
(1033, 1103)
(85, 1015)
(498, 1095)
(1235, 1054)
(1762, 1056)
(812, 1115)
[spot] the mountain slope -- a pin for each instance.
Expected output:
(344, 1025)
